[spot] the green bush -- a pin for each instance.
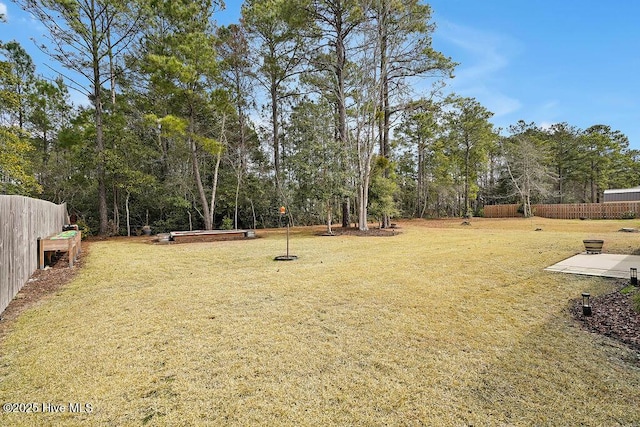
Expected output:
(84, 228)
(227, 223)
(629, 215)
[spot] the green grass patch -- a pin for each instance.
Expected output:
(635, 296)
(441, 325)
(627, 290)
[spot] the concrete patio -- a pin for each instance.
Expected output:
(604, 265)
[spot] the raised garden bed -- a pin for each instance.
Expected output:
(68, 241)
(210, 235)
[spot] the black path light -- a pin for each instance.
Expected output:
(586, 304)
(287, 257)
(634, 276)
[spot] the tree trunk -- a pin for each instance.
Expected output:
(466, 177)
(253, 212)
(275, 129)
(363, 189)
(126, 207)
(593, 182)
(345, 212)
(206, 214)
(97, 101)
(424, 207)
(385, 148)
(116, 212)
(214, 190)
(341, 107)
(112, 72)
(235, 212)
(329, 217)
(420, 184)
(560, 187)
(100, 167)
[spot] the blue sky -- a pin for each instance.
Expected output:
(546, 61)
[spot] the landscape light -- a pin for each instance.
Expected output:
(586, 305)
(634, 276)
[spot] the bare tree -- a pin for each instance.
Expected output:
(526, 165)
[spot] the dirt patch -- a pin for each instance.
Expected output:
(613, 316)
(40, 285)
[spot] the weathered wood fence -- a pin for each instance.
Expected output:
(614, 210)
(22, 221)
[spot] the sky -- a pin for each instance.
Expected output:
(543, 61)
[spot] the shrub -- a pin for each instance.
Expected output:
(84, 228)
(227, 223)
(629, 215)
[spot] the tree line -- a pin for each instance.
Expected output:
(335, 109)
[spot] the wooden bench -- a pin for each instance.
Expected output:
(67, 241)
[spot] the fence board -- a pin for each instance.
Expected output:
(4, 255)
(613, 210)
(22, 221)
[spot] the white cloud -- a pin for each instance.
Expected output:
(546, 125)
(3, 12)
(484, 59)
(551, 110)
(496, 102)
(485, 51)
(547, 114)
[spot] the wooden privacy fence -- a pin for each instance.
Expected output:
(614, 210)
(22, 221)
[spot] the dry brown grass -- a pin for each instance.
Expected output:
(445, 325)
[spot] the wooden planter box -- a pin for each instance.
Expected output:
(69, 241)
(593, 246)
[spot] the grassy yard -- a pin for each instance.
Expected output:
(444, 325)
